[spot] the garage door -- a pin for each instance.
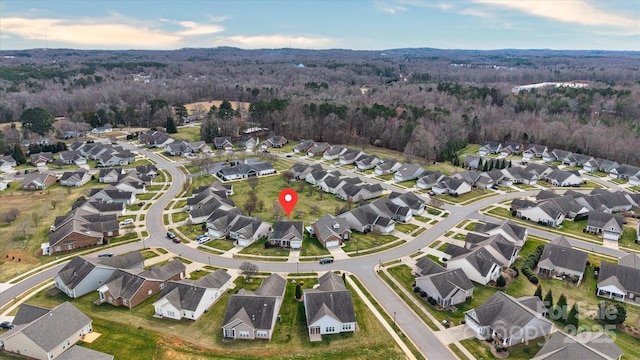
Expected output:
(333, 243)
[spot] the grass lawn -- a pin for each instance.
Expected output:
(576, 227)
(618, 181)
(187, 133)
(221, 244)
(474, 195)
(148, 254)
(155, 187)
(362, 242)
(524, 186)
(406, 228)
(592, 184)
(180, 204)
(21, 238)
(629, 237)
(146, 196)
(443, 247)
(385, 177)
(471, 226)
(179, 216)
(134, 207)
(471, 149)
(257, 248)
(500, 212)
(268, 190)
(312, 247)
(445, 168)
(198, 274)
(191, 231)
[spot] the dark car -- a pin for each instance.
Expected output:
(326, 260)
(6, 325)
(171, 235)
(105, 255)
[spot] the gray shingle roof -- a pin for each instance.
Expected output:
(563, 256)
(188, 295)
(328, 226)
(82, 353)
(625, 276)
(587, 345)
(448, 282)
(631, 260)
(601, 219)
(330, 298)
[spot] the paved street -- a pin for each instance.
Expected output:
(362, 266)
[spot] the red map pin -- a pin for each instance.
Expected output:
(288, 199)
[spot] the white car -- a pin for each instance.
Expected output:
(126, 222)
(203, 239)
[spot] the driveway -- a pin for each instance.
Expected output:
(455, 334)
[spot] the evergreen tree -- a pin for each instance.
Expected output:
(298, 292)
(18, 155)
(548, 300)
(509, 165)
(501, 281)
(171, 126)
(538, 292)
(560, 312)
(37, 120)
(572, 318)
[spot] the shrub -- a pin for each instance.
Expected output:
(534, 280)
(515, 268)
(416, 289)
(501, 281)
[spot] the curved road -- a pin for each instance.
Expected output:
(363, 266)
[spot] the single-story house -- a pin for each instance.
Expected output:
(446, 287)
(620, 281)
(490, 147)
(7, 163)
(559, 259)
(585, 345)
(38, 181)
(318, 149)
(387, 166)
(287, 234)
(564, 178)
(75, 178)
(274, 142)
(223, 143)
(534, 151)
(328, 307)
(41, 159)
(303, 146)
(607, 225)
(331, 231)
(408, 172)
(334, 153)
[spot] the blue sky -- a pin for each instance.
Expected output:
(309, 24)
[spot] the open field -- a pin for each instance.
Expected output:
(20, 239)
(136, 334)
(187, 133)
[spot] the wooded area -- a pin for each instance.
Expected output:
(426, 102)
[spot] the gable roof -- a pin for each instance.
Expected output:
(449, 282)
(331, 298)
(292, 229)
(52, 328)
(586, 345)
(427, 266)
(329, 225)
(563, 256)
(624, 277)
(188, 295)
(28, 313)
(631, 260)
(256, 308)
(601, 219)
(77, 352)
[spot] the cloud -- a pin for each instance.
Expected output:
(388, 7)
(194, 28)
(570, 11)
(276, 41)
(474, 12)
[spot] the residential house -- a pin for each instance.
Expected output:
(220, 221)
(490, 147)
(624, 172)
(300, 171)
(328, 307)
(502, 250)
(115, 158)
(428, 179)
(274, 142)
(410, 200)
(246, 170)
(474, 178)
(559, 259)
(334, 153)
(333, 183)
(146, 170)
(303, 146)
(607, 225)
(498, 177)
(70, 157)
(563, 156)
(253, 314)
(473, 162)
(446, 287)
(519, 175)
(96, 206)
(620, 281)
(318, 149)
(451, 186)
(75, 178)
(585, 345)
(155, 139)
(367, 162)
(4, 184)
(534, 151)
(249, 143)
(246, 230)
(186, 299)
(79, 229)
(389, 209)
(44, 334)
(478, 264)
(223, 143)
(7, 163)
(201, 211)
(606, 166)
(351, 156)
(102, 130)
(511, 149)
(510, 320)
(132, 182)
(564, 178)
(110, 175)
(287, 234)
(387, 166)
(38, 181)
(511, 231)
(361, 192)
(113, 194)
(367, 218)
(316, 176)
(547, 213)
(124, 288)
(331, 231)
(540, 170)
(84, 274)
(41, 159)
(408, 172)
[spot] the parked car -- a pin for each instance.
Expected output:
(175, 239)
(201, 236)
(288, 155)
(171, 235)
(432, 193)
(203, 239)
(126, 222)
(326, 260)
(6, 325)
(108, 254)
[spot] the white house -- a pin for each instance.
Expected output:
(479, 265)
(329, 307)
(186, 299)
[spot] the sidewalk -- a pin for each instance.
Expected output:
(384, 323)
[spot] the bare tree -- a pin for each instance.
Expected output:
(301, 186)
(253, 182)
(320, 193)
(36, 217)
(315, 209)
(311, 187)
(186, 186)
(10, 215)
(276, 209)
(249, 270)
(54, 203)
(259, 205)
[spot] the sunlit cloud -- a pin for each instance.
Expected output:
(389, 7)
(276, 41)
(570, 11)
(88, 33)
(194, 28)
(474, 12)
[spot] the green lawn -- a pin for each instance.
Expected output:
(257, 248)
(406, 228)
(179, 216)
(146, 196)
(187, 133)
(629, 237)
(576, 227)
(155, 187)
(474, 195)
(471, 226)
(362, 242)
(443, 247)
(500, 212)
(148, 254)
(191, 231)
(385, 177)
(198, 274)
(221, 244)
(471, 149)
(312, 247)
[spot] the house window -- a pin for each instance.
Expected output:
(150, 292)
(171, 313)
(346, 326)
(261, 333)
(244, 334)
(330, 329)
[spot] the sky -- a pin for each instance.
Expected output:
(326, 24)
